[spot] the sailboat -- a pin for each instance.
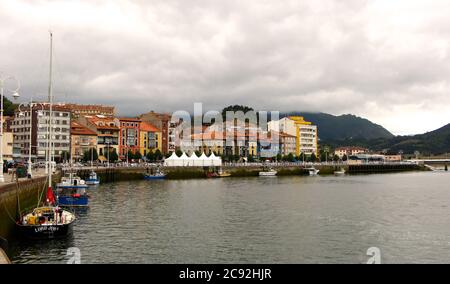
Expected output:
(49, 221)
(93, 179)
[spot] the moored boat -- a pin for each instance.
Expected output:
(268, 173)
(341, 172)
(46, 223)
(93, 179)
(312, 171)
(157, 175)
(72, 191)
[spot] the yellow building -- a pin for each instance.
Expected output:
(306, 136)
(150, 138)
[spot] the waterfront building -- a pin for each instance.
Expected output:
(284, 125)
(162, 122)
(60, 140)
(306, 136)
(208, 142)
(82, 139)
(304, 131)
(107, 130)
(79, 110)
(150, 138)
(287, 144)
(393, 158)
(128, 135)
(8, 140)
(349, 151)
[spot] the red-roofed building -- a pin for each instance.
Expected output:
(128, 135)
(150, 138)
(82, 139)
(107, 130)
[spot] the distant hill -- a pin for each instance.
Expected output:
(434, 142)
(343, 127)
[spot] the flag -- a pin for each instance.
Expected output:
(50, 196)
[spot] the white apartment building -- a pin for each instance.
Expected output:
(304, 131)
(60, 140)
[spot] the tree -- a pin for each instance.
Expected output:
(89, 155)
(130, 155)
(198, 153)
(250, 159)
(137, 155)
(279, 157)
(290, 157)
(158, 155)
(113, 155)
(344, 158)
(178, 152)
(336, 158)
(313, 158)
(150, 156)
(65, 156)
(301, 157)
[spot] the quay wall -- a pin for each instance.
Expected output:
(136, 173)
(18, 197)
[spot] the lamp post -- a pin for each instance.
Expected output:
(3, 79)
(31, 106)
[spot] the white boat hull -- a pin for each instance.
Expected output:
(267, 174)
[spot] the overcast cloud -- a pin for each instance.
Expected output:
(384, 60)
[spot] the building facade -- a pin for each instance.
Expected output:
(162, 122)
(287, 144)
(78, 110)
(349, 151)
(306, 136)
(40, 131)
(128, 136)
(150, 138)
(82, 139)
(107, 130)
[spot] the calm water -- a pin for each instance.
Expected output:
(260, 220)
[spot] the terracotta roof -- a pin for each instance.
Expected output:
(134, 119)
(145, 126)
(79, 129)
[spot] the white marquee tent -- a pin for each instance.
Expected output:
(193, 161)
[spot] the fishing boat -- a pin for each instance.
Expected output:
(93, 179)
(49, 221)
(312, 171)
(157, 175)
(221, 173)
(268, 173)
(341, 172)
(72, 191)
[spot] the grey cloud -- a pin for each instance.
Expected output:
(333, 56)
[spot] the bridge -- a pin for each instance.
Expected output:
(433, 164)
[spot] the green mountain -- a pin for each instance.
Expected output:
(9, 107)
(343, 127)
(435, 142)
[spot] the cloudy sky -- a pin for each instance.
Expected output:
(386, 60)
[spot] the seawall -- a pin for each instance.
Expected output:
(27, 193)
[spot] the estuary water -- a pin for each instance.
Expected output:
(259, 220)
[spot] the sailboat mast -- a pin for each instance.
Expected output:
(50, 101)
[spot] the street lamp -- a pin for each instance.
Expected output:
(40, 114)
(15, 94)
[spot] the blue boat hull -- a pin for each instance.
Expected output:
(148, 177)
(70, 201)
(92, 181)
